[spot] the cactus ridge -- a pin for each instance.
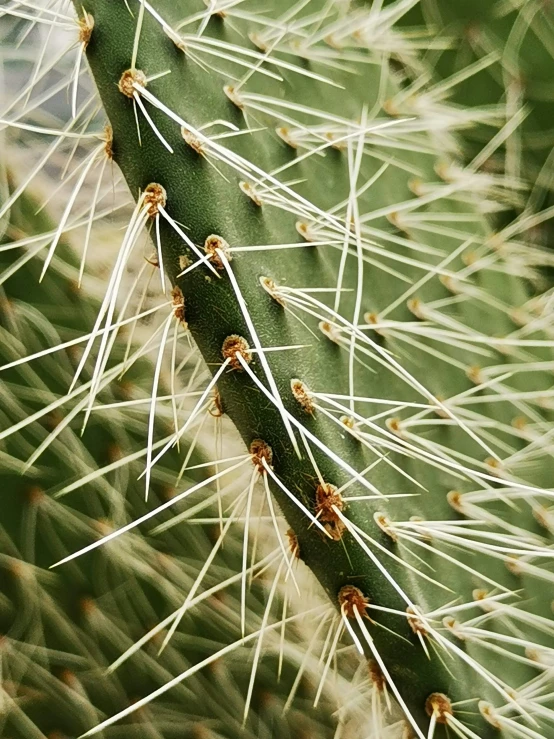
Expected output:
(379, 350)
(80, 642)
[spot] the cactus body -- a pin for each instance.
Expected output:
(513, 43)
(363, 327)
(63, 628)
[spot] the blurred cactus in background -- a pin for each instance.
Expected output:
(513, 43)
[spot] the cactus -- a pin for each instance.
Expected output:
(514, 44)
(377, 349)
(523, 37)
(62, 629)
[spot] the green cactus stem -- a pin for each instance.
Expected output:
(62, 629)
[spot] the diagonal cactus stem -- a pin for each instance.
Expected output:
(71, 637)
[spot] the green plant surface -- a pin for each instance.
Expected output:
(62, 629)
(522, 34)
(515, 41)
(376, 346)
